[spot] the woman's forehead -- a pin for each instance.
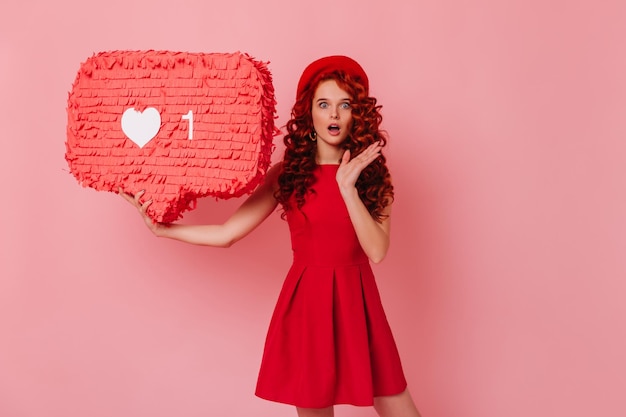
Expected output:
(330, 89)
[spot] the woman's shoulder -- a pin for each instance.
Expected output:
(272, 174)
(275, 169)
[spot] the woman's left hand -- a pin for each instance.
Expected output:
(350, 169)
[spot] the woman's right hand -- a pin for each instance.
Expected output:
(260, 204)
(142, 207)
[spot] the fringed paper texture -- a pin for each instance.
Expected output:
(215, 133)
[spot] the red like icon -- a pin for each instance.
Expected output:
(178, 125)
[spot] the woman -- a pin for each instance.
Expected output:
(328, 341)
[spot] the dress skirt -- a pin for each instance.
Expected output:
(328, 341)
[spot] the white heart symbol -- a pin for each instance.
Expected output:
(141, 127)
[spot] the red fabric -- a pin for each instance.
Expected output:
(328, 341)
(330, 64)
(231, 100)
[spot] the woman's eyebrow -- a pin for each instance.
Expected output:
(326, 99)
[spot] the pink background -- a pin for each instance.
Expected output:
(505, 284)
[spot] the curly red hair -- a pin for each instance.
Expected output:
(296, 177)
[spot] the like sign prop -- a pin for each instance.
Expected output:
(178, 125)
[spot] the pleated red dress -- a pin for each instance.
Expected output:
(329, 341)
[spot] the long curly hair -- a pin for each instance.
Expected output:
(296, 177)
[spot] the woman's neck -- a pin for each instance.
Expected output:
(327, 155)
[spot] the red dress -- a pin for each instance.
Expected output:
(328, 341)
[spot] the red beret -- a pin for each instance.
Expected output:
(330, 64)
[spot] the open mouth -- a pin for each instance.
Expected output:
(334, 129)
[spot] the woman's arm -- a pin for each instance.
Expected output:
(373, 236)
(246, 218)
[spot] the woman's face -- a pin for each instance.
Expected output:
(332, 114)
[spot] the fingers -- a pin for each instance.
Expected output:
(144, 206)
(350, 169)
(368, 155)
(345, 158)
(138, 196)
(372, 150)
(124, 195)
(135, 200)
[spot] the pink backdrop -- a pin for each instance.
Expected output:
(505, 284)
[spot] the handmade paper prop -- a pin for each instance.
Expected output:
(178, 125)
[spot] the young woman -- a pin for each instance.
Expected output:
(328, 341)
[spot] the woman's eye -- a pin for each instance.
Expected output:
(323, 105)
(345, 105)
